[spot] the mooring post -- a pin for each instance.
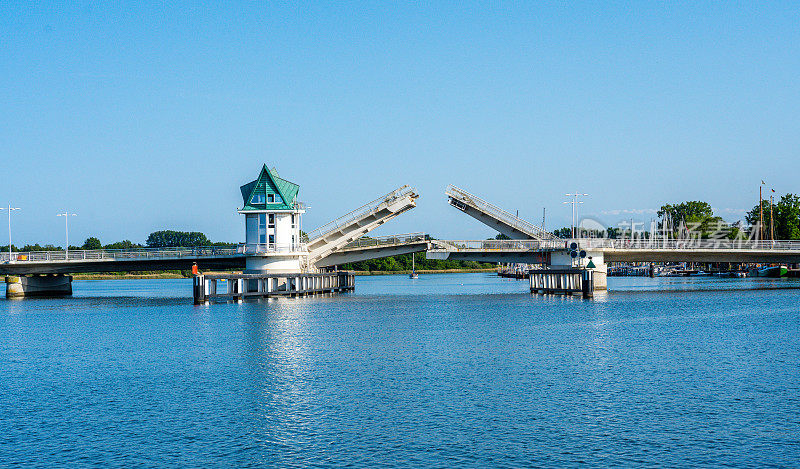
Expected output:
(199, 289)
(587, 284)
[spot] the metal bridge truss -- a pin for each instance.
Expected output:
(376, 247)
(346, 229)
(494, 216)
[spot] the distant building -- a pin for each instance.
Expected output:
(272, 223)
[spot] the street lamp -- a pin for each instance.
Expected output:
(574, 203)
(66, 216)
(10, 209)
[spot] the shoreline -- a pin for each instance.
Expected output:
(406, 272)
(163, 276)
(173, 276)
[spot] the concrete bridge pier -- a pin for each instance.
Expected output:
(593, 261)
(38, 285)
(600, 269)
(273, 263)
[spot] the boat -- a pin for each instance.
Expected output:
(731, 274)
(775, 271)
(677, 273)
(413, 273)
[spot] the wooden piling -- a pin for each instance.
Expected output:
(240, 286)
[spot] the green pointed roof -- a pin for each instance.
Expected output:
(268, 183)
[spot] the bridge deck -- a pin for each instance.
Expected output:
(494, 216)
(623, 250)
(366, 248)
(135, 260)
(335, 235)
(530, 251)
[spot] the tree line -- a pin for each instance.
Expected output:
(403, 263)
(781, 221)
(156, 239)
(783, 217)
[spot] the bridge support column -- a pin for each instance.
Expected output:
(38, 285)
(273, 264)
(199, 289)
(593, 261)
(600, 269)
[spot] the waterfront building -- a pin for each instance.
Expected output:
(272, 215)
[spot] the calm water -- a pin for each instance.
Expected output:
(463, 370)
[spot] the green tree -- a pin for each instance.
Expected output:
(754, 216)
(169, 238)
(613, 233)
(565, 232)
(125, 244)
(37, 247)
(785, 214)
(787, 217)
(698, 216)
(692, 211)
(403, 262)
(92, 243)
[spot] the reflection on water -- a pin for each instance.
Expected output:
(446, 370)
(704, 283)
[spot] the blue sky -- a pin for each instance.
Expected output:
(142, 117)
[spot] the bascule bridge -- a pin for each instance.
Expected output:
(277, 258)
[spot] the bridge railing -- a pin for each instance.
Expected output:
(361, 212)
(264, 248)
(514, 221)
(497, 245)
(687, 244)
(119, 254)
(622, 244)
(392, 240)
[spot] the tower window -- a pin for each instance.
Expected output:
(262, 228)
(271, 198)
(272, 220)
(258, 199)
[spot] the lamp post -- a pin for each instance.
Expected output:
(771, 219)
(760, 212)
(66, 216)
(574, 203)
(10, 209)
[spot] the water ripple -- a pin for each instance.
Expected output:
(447, 371)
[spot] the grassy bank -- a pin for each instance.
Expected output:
(164, 275)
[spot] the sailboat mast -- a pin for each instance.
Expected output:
(771, 220)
